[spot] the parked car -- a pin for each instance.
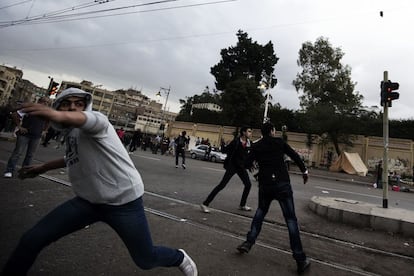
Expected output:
(199, 152)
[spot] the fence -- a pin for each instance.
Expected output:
(315, 151)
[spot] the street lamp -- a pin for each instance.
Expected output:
(265, 85)
(158, 95)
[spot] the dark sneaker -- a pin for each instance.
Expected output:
(303, 266)
(245, 247)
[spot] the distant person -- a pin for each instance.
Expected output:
(180, 144)
(106, 184)
(274, 184)
(378, 180)
(234, 163)
(121, 133)
(30, 129)
(413, 173)
(5, 112)
(208, 152)
(135, 140)
(51, 133)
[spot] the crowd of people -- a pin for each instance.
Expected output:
(93, 145)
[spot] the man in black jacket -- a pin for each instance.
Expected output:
(234, 163)
(274, 184)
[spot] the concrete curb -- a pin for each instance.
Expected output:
(361, 214)
(7, 138)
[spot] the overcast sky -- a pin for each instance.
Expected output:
(175, 44)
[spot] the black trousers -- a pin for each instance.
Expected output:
(244, 176)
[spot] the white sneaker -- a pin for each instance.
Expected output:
(183, 165)
(204, 208)
(245, 208)
(188, 266)
(8, 175)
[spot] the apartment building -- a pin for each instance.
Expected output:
(9, 78)
(129, 109)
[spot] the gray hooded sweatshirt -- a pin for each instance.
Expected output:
(99, 167)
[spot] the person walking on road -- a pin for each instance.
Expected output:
(30, 130)
(180, 144)
(274, 184)
(234, 163)
(106, 184)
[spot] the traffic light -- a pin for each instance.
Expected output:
(387, 94)
(53, 89)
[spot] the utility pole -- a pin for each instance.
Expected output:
(266, 85)
(167, 92)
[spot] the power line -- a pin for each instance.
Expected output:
(57, 16)
(65, 18)
(15, 4)
(50, 14)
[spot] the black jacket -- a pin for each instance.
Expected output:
(269, 152)
(236, 154)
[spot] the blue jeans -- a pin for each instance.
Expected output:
(283, 193)
(128, 221)
(22, 142)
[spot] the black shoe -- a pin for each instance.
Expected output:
(303, 265)
(245, 247)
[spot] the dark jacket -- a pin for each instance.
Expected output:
(269, 152)
(180, 142)
(35, 125)
(236, 154)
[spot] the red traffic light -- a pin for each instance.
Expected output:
(387, 94)
(53, 88)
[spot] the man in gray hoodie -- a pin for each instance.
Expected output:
(107, 186)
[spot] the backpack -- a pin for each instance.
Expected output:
(180, 141)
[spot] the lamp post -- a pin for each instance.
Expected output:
(167, 92)
(265, 85)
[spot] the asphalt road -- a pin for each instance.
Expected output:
(172, 198)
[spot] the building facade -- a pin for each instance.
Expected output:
(129, 109)
(9, 78)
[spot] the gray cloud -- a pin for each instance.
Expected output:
(177, 47)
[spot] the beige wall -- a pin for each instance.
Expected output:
(370, 149)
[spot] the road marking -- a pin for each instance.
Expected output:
(146, 157)
(345, 192)
(213, 169)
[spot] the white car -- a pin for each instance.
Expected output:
(199, 152)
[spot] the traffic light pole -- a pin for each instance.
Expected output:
(385, 156)
(50, 85)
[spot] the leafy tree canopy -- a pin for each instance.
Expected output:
(237, 76)
(328, 91)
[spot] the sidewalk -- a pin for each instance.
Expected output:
(8, 136)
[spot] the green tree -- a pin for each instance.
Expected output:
(328, 95)
(237, 76)
(240, 103)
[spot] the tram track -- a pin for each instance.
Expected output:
(317, 256)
